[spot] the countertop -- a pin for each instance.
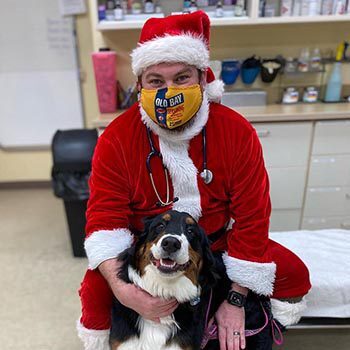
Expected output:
(273, 113)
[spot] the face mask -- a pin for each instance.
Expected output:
(173, 106)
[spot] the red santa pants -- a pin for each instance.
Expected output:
(292, 280)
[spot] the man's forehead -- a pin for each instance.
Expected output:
(167, 69)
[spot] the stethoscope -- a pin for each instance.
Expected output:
(206, 174)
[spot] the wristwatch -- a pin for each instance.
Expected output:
(236, 299)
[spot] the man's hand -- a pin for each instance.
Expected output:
(149, 307)
(230, 320)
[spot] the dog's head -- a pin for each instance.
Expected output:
(173, 245)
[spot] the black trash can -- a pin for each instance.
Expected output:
(72, 152)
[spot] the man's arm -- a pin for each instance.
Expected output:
(108, 233)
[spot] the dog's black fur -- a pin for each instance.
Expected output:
(191, 318)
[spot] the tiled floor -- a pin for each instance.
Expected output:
(39, 279)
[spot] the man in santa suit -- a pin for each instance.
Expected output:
(211, 167)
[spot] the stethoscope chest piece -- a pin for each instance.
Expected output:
(207, 176)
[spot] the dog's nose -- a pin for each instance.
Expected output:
(171, 244)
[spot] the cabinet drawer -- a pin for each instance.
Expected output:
(330, 171)
(332, 137)
(310, 223)
(285, 220)
(287, 187)
(285, 144)
(327, 201)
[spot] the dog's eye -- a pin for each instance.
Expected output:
(190, 230)
(160, 227)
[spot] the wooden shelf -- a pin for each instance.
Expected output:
(232, 21)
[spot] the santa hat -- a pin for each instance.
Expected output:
(178, 38)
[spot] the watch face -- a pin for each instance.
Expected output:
(235, 298)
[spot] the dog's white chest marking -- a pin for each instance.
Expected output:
(153, 336)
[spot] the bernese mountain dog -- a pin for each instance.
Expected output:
(172, 259)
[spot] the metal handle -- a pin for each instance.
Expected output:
(345, 225)
(264, 133)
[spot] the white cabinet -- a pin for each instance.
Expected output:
(286, 148)
(327, 203)
(285, 144)
(330, 170)
(332, 137)
(285, 220)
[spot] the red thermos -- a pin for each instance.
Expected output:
(104, 63)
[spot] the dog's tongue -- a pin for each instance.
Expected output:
(167, 262)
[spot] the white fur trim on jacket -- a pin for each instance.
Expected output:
(93, 339)
(106, 244)
(184, 176)
(214, 90)
(258, 277)
(287, 313)
(194, 128)
(184, 48)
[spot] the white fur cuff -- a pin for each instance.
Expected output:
(287, 313)
(93, 339)
(103, 245)
(258, 277)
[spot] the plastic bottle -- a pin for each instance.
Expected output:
(286, 8)
(149, 6)
(193, 6)
(297, 8)
(334, 84)
(101, 12)
(219, 11)
(118, 11)
(304, 60)
(315, 61)
(110, 6)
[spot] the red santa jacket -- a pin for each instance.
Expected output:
(122, 194)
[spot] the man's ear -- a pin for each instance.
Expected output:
(203, 79)
(139, 84)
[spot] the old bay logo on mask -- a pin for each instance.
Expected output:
(173, 106)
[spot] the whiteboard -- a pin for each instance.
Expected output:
(39, 81)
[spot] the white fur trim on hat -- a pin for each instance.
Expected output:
(214, 90)
(185, 48)
(93, 339)
(258, 277)
(106, 244)
(287, 313)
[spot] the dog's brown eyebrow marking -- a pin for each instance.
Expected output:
(190, 221)
(167, 217)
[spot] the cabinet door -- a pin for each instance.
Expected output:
(332, 137)
(285, 220)
(327, 201)
(285, 144)
(332, 170)
(314, 223)
(287, 187)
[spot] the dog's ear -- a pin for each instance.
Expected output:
(147, 222)
(209, 275)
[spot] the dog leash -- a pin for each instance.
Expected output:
(212, 332)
